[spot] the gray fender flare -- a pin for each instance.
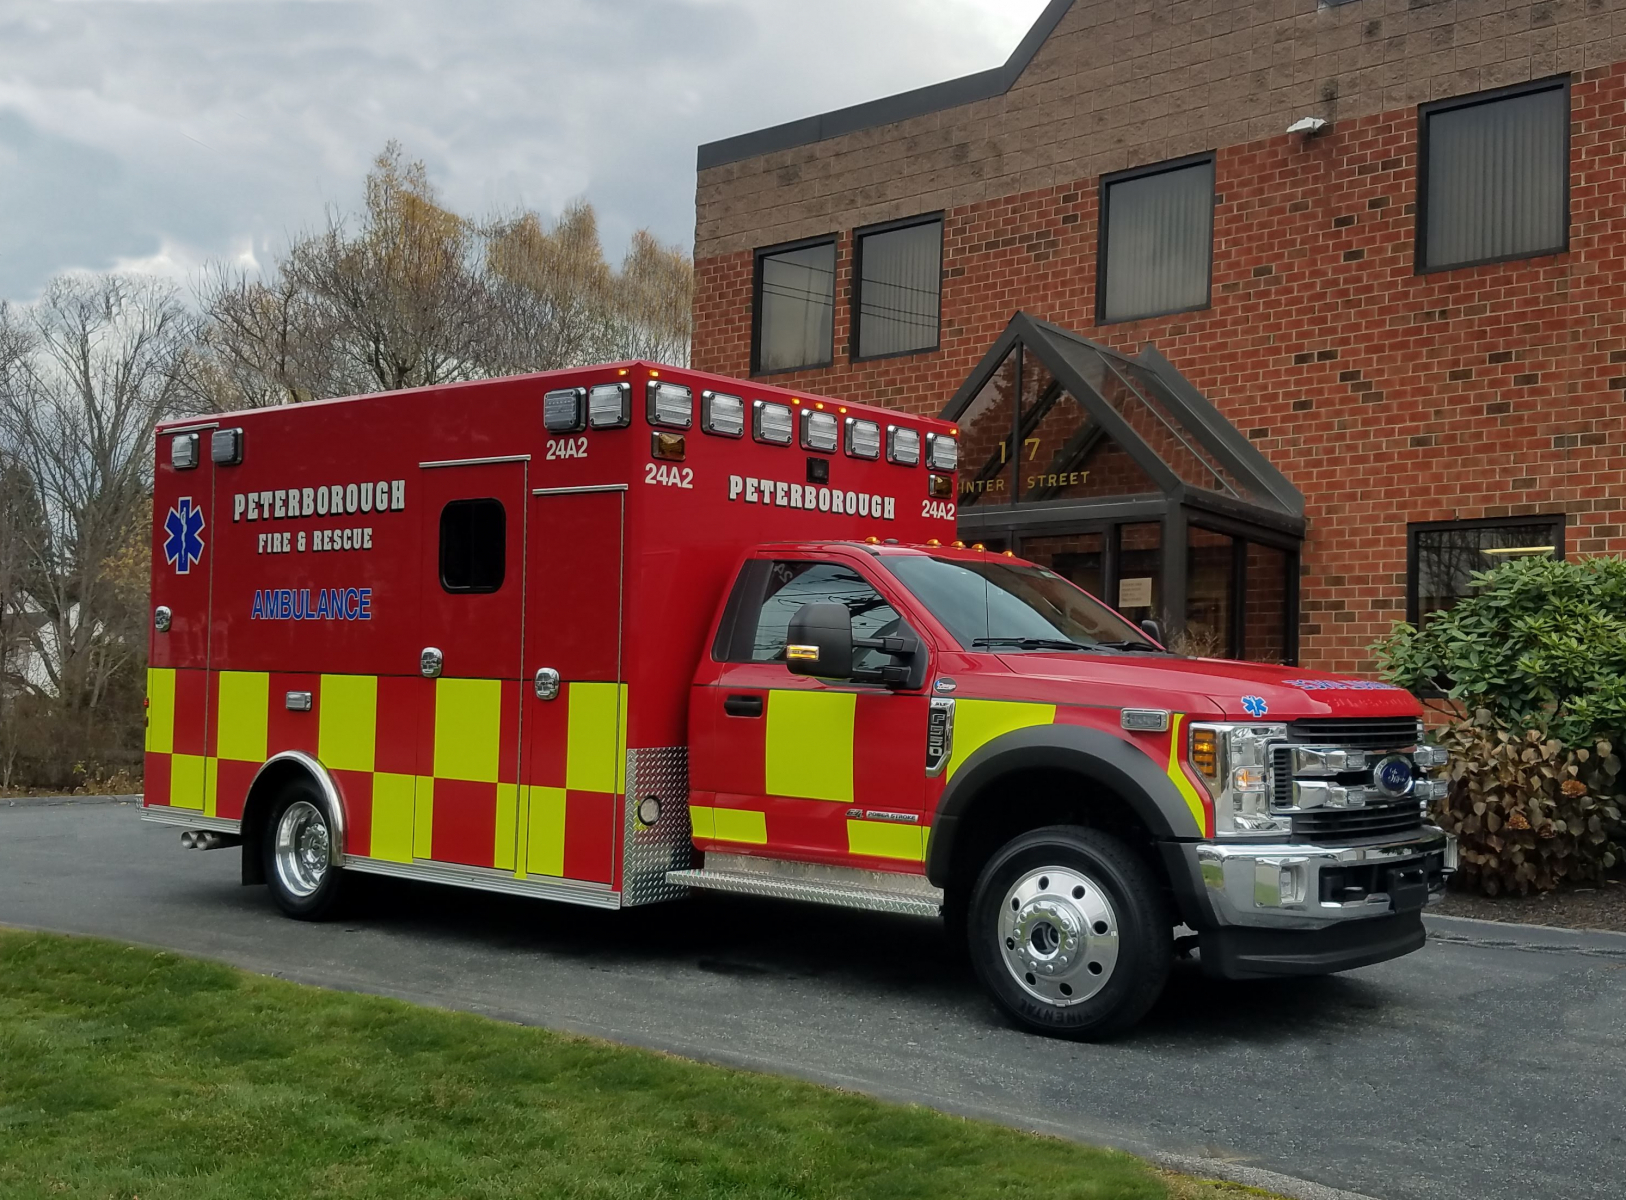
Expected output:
(1092, 754)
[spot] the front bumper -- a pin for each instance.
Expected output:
(1311, 887)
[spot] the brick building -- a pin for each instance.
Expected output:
(1410, 307)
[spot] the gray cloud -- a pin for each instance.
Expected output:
(156, 135)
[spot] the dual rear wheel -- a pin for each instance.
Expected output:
(297, 854)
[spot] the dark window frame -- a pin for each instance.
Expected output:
(1414, 528)
(1103, 208)
(1491, 96)
(832, 240)
(502, 541)
(855, 292)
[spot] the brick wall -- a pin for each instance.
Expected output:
(1386, 396)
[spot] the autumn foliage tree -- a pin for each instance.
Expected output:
(409, 293)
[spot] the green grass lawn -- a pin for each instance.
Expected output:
(131, 1073)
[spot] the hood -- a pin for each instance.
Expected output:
(1213, 687)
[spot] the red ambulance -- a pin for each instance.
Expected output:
(606, 635)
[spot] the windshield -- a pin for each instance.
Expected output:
(999, 605)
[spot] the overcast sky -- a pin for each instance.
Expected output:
(155, 135)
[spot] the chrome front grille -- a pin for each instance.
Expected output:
(1366, 733)
(1374, 820)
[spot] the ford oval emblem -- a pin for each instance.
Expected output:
(1393, 775)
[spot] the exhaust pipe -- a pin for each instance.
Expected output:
(208, 839)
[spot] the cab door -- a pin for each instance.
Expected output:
(575, 700)
(788, 766)
(465, 809)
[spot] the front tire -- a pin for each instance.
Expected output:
(1070, 933)
(298, 855)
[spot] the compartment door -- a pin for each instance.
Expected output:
(574, 765)
(466, 801)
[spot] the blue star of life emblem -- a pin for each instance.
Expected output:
(183, 545)
(1255, 705)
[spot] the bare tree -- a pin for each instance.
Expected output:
(551, 291)
(77, 412)
(652, 302)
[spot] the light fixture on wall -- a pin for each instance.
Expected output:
(1308, 126)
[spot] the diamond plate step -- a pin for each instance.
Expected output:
(872, 891)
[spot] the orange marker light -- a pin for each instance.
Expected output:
(654, 374)
(820, 407)
(959, 545)
(873, 540)
(622, 371)
(843, 410)
(979, 546)
(933, 542)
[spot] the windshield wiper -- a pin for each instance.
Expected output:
(1135, 645)
(1031, 643)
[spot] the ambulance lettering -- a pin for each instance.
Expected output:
(810, 498)
(297, 604)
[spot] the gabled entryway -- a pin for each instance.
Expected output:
(1119, 474)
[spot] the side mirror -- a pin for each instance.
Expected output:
(820, 641)
(1152, 630)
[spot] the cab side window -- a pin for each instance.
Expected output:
(778, 589)
(473, 545)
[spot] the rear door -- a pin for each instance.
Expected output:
(575, 700)
(178, 752)
(466, 802)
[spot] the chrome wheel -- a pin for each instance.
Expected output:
(1058, 935)
(302, 849)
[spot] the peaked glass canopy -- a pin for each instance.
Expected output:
(1120, 474)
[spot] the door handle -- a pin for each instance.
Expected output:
(743, 706)
(547, 684)
(429, 662)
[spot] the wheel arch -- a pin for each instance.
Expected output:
(1124, 784)
(274, 775)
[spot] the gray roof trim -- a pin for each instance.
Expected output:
(888, 110)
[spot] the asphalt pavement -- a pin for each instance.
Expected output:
(1491, 1064)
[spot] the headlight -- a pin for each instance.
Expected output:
(1233, 762)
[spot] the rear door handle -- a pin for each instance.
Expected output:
(743, 706)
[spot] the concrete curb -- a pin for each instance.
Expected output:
(62, 801)
(1470, 931)
(1270, 1181)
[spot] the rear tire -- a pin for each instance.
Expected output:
(297, 854)
(1070, 933)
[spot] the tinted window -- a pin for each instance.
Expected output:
(993, 605)
(1495, 178)
(473, 545)
(1158, 242)
(795, 307)
(899, 284)
(779, 589)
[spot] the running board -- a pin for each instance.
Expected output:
(846, 887)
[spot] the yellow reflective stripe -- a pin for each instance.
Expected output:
(522, 830)
(809, 752)
(347, 721)
(186, 774)
(978, 722)
(392, 816)
(739, 825)
(701, 823)
(545, 832)
(468, 729)
(160, 710)
(211, 775)
(596, 738)
(1178, 776)
(887, 839)
(502, 852)
(241, 715)
(423, 817)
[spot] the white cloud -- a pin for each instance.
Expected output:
(157, 134)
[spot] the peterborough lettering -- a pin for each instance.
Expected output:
(808, 497)
(333, 500)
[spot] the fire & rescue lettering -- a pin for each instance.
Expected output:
(781, 494)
